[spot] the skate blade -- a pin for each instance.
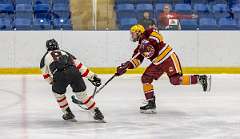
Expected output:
(209, 80)
(100, 121)
(150, 111)
(71, 120)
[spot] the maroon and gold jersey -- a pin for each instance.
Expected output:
(152, 47)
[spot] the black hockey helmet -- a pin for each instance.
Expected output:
(51, 45)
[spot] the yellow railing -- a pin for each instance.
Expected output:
(110, 70)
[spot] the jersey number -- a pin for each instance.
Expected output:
(56, 55)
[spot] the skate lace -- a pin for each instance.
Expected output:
(202, 80)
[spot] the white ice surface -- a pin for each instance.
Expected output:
(28, 110)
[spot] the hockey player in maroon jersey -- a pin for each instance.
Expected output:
(163, 60)
(61, 69)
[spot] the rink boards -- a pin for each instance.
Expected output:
(198, 51)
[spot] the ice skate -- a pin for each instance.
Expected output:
(205, 81)
(98, 116)
(69, 116)
(150, 107)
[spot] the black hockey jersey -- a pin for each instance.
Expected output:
(53, 61)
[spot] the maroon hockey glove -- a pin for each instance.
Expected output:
(123, 68)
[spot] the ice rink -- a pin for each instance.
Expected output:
(30, 111)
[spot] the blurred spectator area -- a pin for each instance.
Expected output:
(35, 15)
(57, 14)
(212, 14)
(113, 14)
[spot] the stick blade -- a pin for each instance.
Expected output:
(75, 100)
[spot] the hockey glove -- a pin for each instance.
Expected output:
(123, 68)
(96, 81)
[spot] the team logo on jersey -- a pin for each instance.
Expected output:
(146, 49)
(171, 69)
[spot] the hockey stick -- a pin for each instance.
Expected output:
(80, 103)
(76, 101)
(97, 91)
(94, 92)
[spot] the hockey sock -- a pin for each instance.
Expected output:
(87, 101)
(62, 101)
(189, 79)
(148, 91)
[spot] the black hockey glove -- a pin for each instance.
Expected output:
(96, 81)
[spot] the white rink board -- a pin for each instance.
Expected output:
(110, 48)
(29, 111)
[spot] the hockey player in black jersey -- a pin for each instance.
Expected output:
(61, 69)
